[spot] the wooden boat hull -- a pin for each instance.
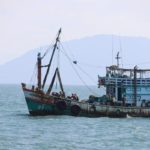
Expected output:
(42, 104)
(37, 108)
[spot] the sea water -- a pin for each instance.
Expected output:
(20, 131)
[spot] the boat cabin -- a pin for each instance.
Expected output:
(129, 86)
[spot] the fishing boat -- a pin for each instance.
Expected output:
(127, 93)
(41, 102)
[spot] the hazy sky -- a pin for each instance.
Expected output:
(28, 24)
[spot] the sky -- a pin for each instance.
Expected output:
(29, 24)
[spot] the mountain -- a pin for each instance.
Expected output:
(91, 53)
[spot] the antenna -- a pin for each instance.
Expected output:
(117, 58)
(112, 48)
(121, 50)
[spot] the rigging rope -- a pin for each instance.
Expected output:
(86, 74)
(91, 65)
(121, 50)
(47, 50)
(71, 53)
(58, 56)
(34, 74)
(82, 63)
(64, 52)
(112, 50)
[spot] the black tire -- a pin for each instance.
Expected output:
(61, 105)
(75, 110)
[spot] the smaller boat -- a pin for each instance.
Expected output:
(40, 102)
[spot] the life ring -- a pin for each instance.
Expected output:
(75, 110)
(61, 105)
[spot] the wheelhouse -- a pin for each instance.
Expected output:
(131, 86)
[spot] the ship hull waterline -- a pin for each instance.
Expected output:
(40, 104)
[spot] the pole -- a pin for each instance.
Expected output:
(49, 65)
(39, 62)
(135, 85)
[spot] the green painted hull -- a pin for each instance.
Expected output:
(44, 105)
(37, 108)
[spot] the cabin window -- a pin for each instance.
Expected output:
(138, 89)
(129, 89)
(128, 97)
(138, 98)
(148, 89)
(132, 97)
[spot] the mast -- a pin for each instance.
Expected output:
(52, 83)
(39, 62)
(117, 57)
(49, 65)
